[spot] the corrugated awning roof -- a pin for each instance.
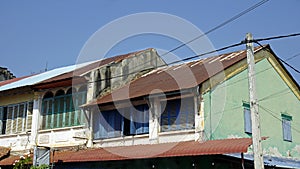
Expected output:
(10, 160)
(4, 151)
(188, 148)
(175, 77)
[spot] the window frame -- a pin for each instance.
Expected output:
(16, 121)
(70, 115)
(247, 118)
(286, 127)
(182, 113)
(122, 121)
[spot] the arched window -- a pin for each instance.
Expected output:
(47, 110)
(61, 110)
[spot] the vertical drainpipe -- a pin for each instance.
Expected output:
(37, 102)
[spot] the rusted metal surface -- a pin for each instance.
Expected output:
(174, 78)
(75, 76)
(189, 148)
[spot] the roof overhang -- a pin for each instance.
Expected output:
(188, 148)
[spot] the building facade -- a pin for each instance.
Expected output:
(134, 111)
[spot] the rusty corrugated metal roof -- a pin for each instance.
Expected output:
(81, 70)
(4, 151)
(188, 148)
(2, 83)
(175, 77)
(11, 159)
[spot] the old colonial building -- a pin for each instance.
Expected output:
(134, 111)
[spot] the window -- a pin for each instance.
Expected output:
(16, 118)
(139, 120)
(286, 127)
(177, 114)
(247, 119)
(62, 109)
(126, 121)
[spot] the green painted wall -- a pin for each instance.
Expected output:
(224, 116)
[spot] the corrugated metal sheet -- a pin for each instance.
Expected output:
(189, 148)
(4, 151)
(81, 70)
(11, 160)
(2, 83)
(174, 78)
(31, 80)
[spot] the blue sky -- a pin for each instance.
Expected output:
(35, 33)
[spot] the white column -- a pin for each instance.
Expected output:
(199, 119)
(37, 104)
(154, 113)
(91, 95)
(90, 133)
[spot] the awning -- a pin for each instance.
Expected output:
(4, 151)
(188, 148)
(10, 160)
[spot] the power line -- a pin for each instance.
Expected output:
(280, 58)
(220, 25)
(273, 115)
(271, 38)
(259, 72)
(215, 28)
(206, 53)
(185, 59)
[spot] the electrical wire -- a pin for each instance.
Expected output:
(209, 31)
(210, 52)
(178, 61)
(279, 57)
(273, 114)
(220, 25)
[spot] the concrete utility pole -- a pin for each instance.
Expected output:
(256, 137)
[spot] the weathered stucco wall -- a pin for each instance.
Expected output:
(224, 116)
(13, 99)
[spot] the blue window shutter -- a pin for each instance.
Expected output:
(286, 129)
(103, 125)
(146, 119)
(247, 120)
(132, 121)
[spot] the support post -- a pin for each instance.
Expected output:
(37, 102)
(154, 120)
(256, 137)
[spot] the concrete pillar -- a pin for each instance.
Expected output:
(90, 133)
(199, 119)
(154, 114)
(91, 87)
(91, 95)
(36, 116)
